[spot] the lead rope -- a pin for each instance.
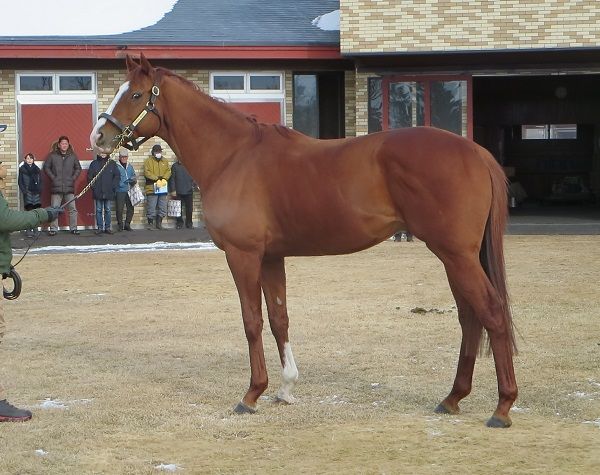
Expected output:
(13, 274)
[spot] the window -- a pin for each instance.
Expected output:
(35, 83)
(398, 102)
(56, 83)
(228, 83)
(75, 83)
(306, 104)
(549, 131)
(265, 83)
(245, 83)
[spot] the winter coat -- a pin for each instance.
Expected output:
(181, 182)
(63, 170)
(12, 220)
(127, 176)
(30, 183)
(106, 185)
(153, 169)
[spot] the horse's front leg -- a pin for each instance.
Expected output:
(245, 268)
(273, 284)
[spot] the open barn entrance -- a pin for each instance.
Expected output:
(545, 131)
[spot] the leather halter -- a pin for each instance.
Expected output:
(125, 136)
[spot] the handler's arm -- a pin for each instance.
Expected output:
(13, 220)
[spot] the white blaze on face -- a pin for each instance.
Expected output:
(94, 135)
(289, 375)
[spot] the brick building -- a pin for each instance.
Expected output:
(521, 78)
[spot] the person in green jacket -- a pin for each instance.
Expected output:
(12, 220)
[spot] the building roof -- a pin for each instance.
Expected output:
(213, 23)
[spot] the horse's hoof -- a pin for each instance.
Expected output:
(242, 408)
(443, 409)
(499, 422)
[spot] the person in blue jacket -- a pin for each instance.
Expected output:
(128, 178)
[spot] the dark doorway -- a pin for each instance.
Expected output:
(545, 131)
(319, 104)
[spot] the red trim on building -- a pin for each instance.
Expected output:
(168, 52)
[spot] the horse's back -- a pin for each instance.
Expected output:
(304, 196)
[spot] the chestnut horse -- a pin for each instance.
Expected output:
(269, 192)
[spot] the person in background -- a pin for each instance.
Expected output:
(12, 220)
(3, 174)
(30, 184)
(181, 186)
(62, 167)
(157, 173)
(400, 234)
(127, 179)
(104, 189)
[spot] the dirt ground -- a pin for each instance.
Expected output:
(132, 363)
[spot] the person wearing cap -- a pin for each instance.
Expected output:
(128, 178)
(63, 168)
(157, 173)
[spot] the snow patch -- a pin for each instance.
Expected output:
(328, 22)
(147, 247)
(167, 467)
(49, 403)
(77, 18)
(596, 422)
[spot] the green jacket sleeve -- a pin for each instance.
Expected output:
(13, 220)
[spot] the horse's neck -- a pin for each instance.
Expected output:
(201, 131)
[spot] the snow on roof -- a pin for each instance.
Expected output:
(328, 22)
(80, 18)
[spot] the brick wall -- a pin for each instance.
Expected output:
(8, 138)
(362, 102)
(350, 103)
(450, 25)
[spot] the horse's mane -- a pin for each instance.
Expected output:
(258, 126)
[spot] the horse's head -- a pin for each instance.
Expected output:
(133, 113)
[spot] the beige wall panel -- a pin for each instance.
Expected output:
(450, 25)
(8, 138)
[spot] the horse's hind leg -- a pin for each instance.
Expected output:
(274, 288)
(245, 268)
(468, 279)
(471, 336)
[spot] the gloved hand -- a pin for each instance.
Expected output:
(53, 213)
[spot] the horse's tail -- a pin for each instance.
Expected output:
(491, 254)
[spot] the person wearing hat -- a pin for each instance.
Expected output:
(128, 179)
(157, 173)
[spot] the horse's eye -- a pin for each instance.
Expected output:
(137, 95)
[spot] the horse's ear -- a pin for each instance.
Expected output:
(131, 64)
(145, 64)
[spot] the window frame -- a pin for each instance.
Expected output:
(56, 82)
(275, 93)
(547, 131)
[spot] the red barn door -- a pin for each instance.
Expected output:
(41, 125)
